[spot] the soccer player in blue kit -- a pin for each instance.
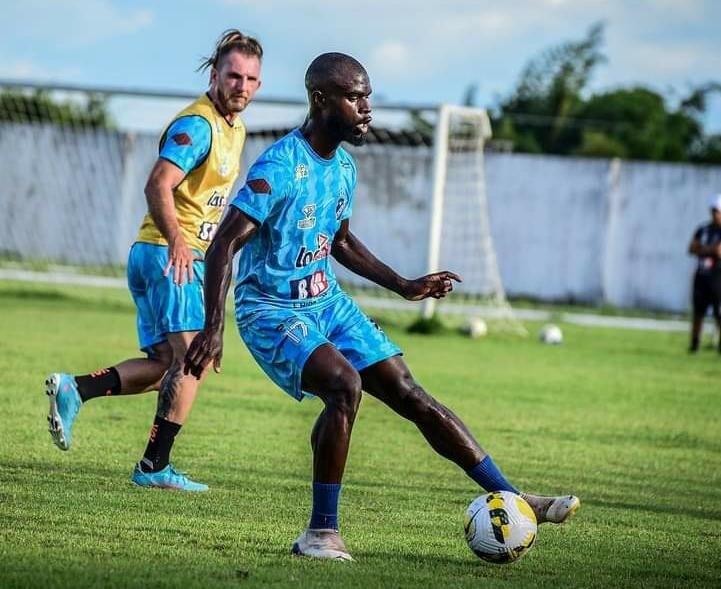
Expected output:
(187, 189)
(308, 335)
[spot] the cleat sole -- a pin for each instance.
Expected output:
(55, 424)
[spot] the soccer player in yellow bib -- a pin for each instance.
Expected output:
(187, 190)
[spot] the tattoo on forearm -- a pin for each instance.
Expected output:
(169, 389)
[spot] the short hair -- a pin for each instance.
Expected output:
(330, 68)
(232, 40)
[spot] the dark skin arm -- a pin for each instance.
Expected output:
(354, 255)
(696, 249)
(234, 231)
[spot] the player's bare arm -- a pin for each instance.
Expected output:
(164, 177)
(207, 346)
(354, 255)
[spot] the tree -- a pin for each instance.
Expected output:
(41, 107)
(549, 94)
(552, 111)
(638, 120)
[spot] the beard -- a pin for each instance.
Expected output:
(346, 132)
(357, 138)
(231, 104)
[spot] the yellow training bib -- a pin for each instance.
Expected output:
(201, 197)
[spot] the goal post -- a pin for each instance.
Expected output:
(460, 236)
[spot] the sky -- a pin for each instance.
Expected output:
(416, 52)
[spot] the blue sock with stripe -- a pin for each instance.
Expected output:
(488, 476)
(325, 506)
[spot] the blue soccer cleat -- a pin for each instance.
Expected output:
(65, 402)
(168, 478)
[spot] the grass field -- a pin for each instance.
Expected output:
(625, 419)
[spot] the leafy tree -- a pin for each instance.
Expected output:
(638, 120)
(551, 111)
(41, 107)
(549, 93)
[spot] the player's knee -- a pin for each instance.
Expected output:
(165, 359)
(345, 389)
(415, 402)
(179, 344)
(162, 355)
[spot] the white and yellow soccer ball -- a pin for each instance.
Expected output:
(500, 527)
(551, 334)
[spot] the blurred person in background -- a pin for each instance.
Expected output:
(706, 246)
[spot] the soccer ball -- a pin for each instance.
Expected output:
(551, 334)
(500, 527)
(475, 328)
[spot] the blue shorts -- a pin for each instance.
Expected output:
(282, 340)
(163, 307)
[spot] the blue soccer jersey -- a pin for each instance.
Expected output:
(299, 200)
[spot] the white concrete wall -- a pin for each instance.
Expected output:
(597, 230)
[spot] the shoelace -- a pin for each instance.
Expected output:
(178, 473)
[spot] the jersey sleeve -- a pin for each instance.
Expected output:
(697, 233)
(265, 186)
(187, 142)
(351, 179)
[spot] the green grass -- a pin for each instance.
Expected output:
(625, 419)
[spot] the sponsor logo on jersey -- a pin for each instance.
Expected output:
(301, 171)
(309, 286)
(340, 205)
(207, 230)
(182, 139)
(306, 256)
(308, 220)
(216, 200)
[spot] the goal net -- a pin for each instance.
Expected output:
(74, 173)
(460, 236)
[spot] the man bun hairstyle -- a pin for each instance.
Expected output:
(232, 40)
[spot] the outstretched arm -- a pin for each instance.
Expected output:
(234, 231)
(354, 255)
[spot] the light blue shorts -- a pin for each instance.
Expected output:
(282, 340)
(163, 307)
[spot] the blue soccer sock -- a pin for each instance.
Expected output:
(488, 476)
(325, 506)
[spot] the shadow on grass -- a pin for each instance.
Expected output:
(704, 514)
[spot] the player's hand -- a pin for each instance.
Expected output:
(717, 249)
(206, 347)
(180, 260)
(436, 285)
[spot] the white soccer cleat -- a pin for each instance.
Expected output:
(321, 544)
(553, 510)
